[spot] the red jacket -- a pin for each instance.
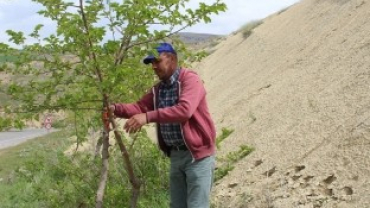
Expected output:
(191, 111)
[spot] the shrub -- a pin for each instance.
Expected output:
(223, 171)
(225, 133)
(248, 28)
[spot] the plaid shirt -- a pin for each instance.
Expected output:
(169, 96)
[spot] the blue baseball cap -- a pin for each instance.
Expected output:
(162, 47)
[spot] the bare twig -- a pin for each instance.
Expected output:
(78, 143)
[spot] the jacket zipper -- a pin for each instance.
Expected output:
(182, 132)
(155, 108)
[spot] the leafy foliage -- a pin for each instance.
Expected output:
(49, 178)
(96, 49)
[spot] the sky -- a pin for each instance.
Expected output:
(21, 15)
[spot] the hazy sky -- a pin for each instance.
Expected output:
(20, 15)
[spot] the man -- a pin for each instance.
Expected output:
(185, 130)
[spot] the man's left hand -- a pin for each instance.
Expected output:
(135, 123)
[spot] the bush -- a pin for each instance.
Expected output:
(225, 133)
(248, 28)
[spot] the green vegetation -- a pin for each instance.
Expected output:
(80, 68)
(12, 157)
(248, 28)
(232, 157)
(225, 133)
(229, 161)
(223, 171)
(38, 174)
(7, 58)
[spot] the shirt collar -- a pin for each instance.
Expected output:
(174, 78)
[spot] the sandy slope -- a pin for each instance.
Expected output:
(298, 90)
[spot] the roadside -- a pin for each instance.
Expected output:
(15, 137)
(12, 157)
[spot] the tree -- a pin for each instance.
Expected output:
(92, 59)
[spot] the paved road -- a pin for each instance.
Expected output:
(12, 138)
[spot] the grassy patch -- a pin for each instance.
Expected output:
(223, 171)
(13, 157)
(230, 159)
(38, 174)
(233, 157)
(248, 28)
(225, 133)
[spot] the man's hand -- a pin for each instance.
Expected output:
(112, 108)
(135, 123)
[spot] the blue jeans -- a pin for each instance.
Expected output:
(190, 181)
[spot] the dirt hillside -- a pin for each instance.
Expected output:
(298, 91)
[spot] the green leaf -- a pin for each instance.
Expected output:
(16, 37)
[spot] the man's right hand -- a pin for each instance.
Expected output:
(112, 108)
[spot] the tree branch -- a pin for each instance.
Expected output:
(155, 39)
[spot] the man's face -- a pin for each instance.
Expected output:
(164, 66)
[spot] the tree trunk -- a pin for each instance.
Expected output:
(104, 170)
(98, 145)
(136, 184)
